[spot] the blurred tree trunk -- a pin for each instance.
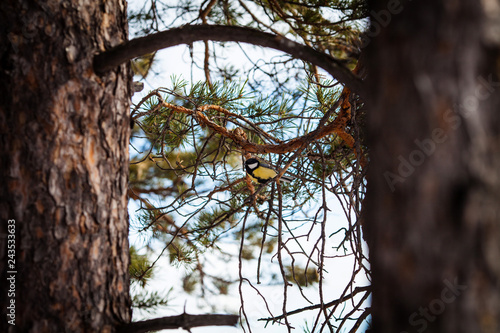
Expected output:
(63, 166)
(433, 201)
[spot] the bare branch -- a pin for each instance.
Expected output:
(319, 306)
(184, 320)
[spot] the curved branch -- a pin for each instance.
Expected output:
(191, 33)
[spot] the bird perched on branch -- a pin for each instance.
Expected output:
(261, 172)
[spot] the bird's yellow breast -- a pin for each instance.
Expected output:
(264, 173)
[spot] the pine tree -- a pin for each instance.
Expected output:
(191, 140)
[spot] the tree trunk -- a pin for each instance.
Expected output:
(64, 167)
(433, 200)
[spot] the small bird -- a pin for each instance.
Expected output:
(261, 172)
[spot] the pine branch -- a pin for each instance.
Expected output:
(190, 33)
(336, 126)
(185, 321)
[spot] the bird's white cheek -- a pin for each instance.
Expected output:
(253, 165)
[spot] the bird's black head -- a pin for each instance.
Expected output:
(251, 164)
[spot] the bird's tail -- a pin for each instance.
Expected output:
(286, 179)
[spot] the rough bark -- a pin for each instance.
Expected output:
(64, 165)
(432, 206)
